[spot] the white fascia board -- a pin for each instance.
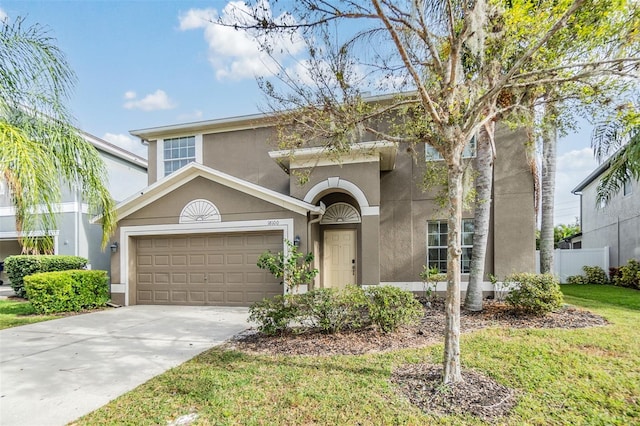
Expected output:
(208, 126)
(382, 151)
(114, 150)
(175, 180)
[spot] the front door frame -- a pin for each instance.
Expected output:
(356, 251)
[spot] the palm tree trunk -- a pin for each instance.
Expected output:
(482, 215)
(549, 142)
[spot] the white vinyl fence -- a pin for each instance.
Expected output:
(570, 262)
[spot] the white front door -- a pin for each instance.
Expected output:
(339, 257)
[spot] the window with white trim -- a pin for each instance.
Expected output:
(437, 231)
(178, 152)
(469, 151)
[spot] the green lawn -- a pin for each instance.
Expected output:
(563, 377)
(14, 313)
(619, 296)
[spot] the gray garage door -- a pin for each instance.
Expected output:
(211, 269)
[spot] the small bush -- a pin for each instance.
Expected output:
(330, 310)
(595, 275)
(577, 279)
(274, 315)
(390, 307)
(67, 291)
(628, 275)
(18, 267)
(535, 293)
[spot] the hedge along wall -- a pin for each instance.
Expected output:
(18, 267)
(66, 291)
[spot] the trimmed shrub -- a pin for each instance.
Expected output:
(67, 291)
(18, 267)
(577, 279)
(628, 275)
(330, 310)
(534, 293)
(274, 315)
(592, 275)
(390, 307)
(595, 275)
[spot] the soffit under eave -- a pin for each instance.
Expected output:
(383, 152)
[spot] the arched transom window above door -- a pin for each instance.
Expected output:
(200, 211)
(339, 213)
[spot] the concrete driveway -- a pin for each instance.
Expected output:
(53, 372)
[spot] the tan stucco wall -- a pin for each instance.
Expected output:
(513, 200)
(152, 167)
(245, 154)
(365, 176)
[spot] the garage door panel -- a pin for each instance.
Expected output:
(179, 278)
(161, 278)
(214, 269)
(179, 296)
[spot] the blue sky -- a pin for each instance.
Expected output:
(149, 63)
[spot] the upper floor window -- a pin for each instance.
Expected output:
(626, 188)
(178, 152)
(437, 245)
(469, 151)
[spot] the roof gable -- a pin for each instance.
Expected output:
(194, 170)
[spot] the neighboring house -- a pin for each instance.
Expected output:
(75, 235)
(219, 195)
(615, 224)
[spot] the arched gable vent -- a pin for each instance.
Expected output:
(200, 211)
(340, 213)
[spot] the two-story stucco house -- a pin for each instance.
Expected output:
(220, 194)
(615, 224)
(75, 235)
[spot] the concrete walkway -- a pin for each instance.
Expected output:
(53, 372)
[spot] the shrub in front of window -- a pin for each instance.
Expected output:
(628, 275)
(538, 294)
(67, 291)
(18, 267)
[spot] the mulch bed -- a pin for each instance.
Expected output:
(422, 383)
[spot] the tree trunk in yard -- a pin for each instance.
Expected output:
(481, 220)
(549, 141)
(452, 368)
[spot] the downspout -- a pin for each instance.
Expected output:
(313, 221)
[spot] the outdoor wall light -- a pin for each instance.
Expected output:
(114, 247)
(296, 241)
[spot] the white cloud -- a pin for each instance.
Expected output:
(572, 168)
(236, 54)
(130, 94)
(152, 102)
(3, 15)
(126, 142)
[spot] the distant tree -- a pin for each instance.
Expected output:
(462, 65)
(39, 147)
(560, 232)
